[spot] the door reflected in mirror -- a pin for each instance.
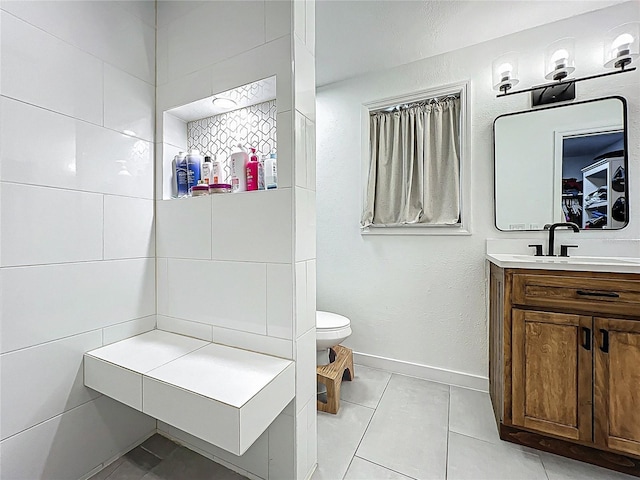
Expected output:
(562, 164)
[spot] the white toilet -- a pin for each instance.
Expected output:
(331, 329)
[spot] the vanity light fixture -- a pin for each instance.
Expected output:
(224, 102)
(620, 50)
(505, 72)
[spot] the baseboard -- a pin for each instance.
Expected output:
(426, 372)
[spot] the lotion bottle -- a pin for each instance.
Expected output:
(239, 160)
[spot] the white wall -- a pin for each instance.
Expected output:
(422, 299)
(240, 269)
(77, 235)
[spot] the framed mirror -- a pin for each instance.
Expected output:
(565, 163)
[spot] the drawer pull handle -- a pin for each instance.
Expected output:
(605, 340)
(586, 293)
(587, 338)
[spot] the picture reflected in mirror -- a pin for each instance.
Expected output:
(562, 164)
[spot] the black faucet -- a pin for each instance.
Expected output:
(552, 234)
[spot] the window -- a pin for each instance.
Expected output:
(415, 163)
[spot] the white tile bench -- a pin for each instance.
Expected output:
(224, 395)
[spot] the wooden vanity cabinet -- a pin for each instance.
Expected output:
(564, 366)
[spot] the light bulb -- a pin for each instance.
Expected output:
(560, 57)
(505, 70)
(621, 44)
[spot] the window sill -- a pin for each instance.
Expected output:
(450, 230)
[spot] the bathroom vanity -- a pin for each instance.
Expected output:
(564, 356)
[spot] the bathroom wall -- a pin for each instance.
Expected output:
(240, 269)
(77, 234)
(418, 303)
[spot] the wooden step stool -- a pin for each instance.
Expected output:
(332, 374)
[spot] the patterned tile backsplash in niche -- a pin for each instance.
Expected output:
(253, 126)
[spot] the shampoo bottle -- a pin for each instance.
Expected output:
(238, 161)
(180, 162)
(253, 167)
(194, 166)
(271, 172)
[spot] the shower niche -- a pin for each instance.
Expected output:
(215, 125)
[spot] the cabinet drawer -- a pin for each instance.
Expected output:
(580, 294)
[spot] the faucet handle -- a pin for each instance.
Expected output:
(564, 249)
(538, 249)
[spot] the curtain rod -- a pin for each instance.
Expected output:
(404, 106)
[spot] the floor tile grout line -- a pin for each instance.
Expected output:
(367, 428)
(386, 468)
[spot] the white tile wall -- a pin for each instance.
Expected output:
(74, 78)
(70, 153)
(174, 131)
(105, 31)
(310, 154)
(128, 103)
(208, 42)
(74, 443)
(44, 303)
(75, 190)
(277, 19)
(128, 228)
(285, 148)
(282, 447)
(253, 233)
(305, 369)
(280, 303)
(253, 226)
(184, 227)
(300, 151)
(225, 294)
(278, 347)
(305, 81)
(306, 440)
(120, 331)
(305, 224)
(54, 370)
(47, 225)
(202, 331)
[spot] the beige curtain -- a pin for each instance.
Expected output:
(414, 170)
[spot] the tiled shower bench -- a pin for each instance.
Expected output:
(224, 395)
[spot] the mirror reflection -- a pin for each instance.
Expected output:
(562, 164)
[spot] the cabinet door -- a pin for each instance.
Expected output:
(617, 384)
(552, 373)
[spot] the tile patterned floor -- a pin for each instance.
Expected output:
(402, 428)
(158, 458)
(389, 427)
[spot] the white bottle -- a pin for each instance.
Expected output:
(271, 172)
(207, 170)
(216, 172)
(239, 160)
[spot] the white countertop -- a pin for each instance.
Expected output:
(573, 263)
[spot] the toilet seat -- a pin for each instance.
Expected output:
(327, 321)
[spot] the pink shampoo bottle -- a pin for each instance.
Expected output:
(253, 166)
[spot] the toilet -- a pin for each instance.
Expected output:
(331, 330)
